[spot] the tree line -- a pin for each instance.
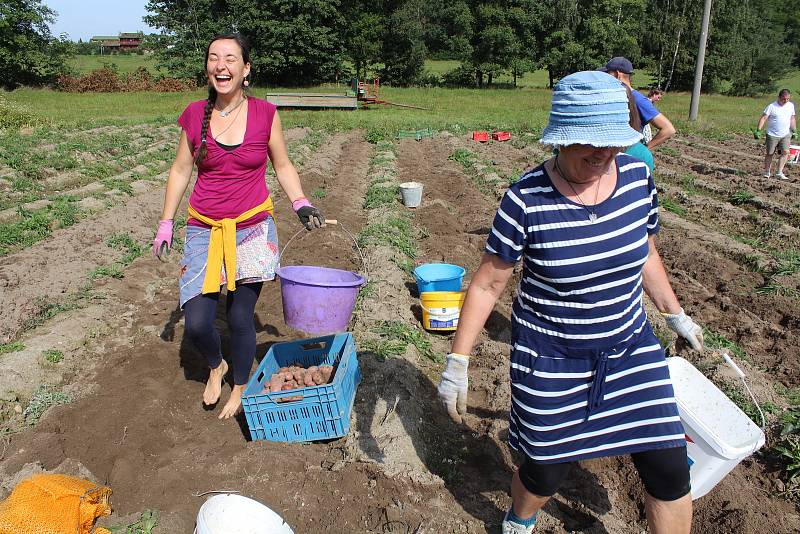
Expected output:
(751, 44)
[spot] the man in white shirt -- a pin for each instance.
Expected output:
(781, 124)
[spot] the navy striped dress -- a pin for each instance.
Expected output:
(588, 376)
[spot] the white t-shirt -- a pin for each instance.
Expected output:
(779, 118)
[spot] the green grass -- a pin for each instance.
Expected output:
(745, 403)
(122, 63)
(124, 242)
(384, 349)
(43, 398)
(380, 195)
(46, 309)
(14, 346)
(687, 180)
(477, 169)
(53, 355)
(318, 194)
(458, 110)
(33, 226)
(669, 151)
(148, 520)
(714, 340)
(396, 335)
(671, 205)
(396, 232)
(740, 197)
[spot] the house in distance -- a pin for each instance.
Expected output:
(123, 42)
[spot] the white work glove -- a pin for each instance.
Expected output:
(683, 325)
(453, 386)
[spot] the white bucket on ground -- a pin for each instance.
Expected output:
(411, 193)
(234, 514)
(719, 435)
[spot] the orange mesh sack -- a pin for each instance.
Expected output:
(54, 504)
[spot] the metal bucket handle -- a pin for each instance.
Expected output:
(332, 222)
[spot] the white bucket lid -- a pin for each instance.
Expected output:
(711, 414)
(234, 514)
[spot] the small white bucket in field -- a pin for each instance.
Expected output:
(234, 514)
(718, 434)
(411, 193)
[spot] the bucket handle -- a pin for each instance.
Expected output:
(741, 375)
(332, 222)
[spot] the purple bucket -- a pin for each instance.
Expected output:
(318, 300)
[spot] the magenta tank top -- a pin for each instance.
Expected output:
(230, 182)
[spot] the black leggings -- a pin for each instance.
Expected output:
(664, 472)
(240, 305)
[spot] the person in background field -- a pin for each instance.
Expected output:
(638, 150)
(231, 238)
(781, 123)
(588, 375)
(653, 95)
(622, 69)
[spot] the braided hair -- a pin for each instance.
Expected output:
(244, 46)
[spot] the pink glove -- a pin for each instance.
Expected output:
(309, 216)
(163, 241)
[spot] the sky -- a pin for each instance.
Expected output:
(81, 19)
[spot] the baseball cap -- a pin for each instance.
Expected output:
(621, 64)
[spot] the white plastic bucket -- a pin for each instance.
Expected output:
(718, 434)
(411, 193)
(234, 514)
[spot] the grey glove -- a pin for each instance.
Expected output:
(311, 217)
(453, 386)
(683, 325)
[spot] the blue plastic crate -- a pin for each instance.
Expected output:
(324, 411)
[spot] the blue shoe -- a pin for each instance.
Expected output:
(512, 527)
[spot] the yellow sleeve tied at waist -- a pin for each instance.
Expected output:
(222, 245)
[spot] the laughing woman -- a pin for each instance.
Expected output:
(230, 236)
(588, 376)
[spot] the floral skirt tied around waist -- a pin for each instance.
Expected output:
(257, 257)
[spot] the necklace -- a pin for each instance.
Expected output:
(228, 127)
(592, 214)
(226, 112)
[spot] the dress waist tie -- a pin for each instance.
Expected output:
(598, 384)
(222, 245)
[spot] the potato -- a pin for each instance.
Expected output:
(308, 379)
(327, 372)
(316, 376)
(275, 382)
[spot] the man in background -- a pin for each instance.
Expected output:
(781, 123)
(654, 95)
(621, 68)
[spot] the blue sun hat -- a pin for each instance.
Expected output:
(589, 108)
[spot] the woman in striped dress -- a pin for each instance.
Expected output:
(588, 376)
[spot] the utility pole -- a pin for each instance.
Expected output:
(701, 58)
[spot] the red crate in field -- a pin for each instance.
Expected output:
(501, 136)
(480, 136)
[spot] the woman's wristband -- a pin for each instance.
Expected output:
(300, 203)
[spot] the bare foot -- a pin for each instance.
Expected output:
(234, 404)
(214, 384)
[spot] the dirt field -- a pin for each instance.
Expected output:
(135, 420)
